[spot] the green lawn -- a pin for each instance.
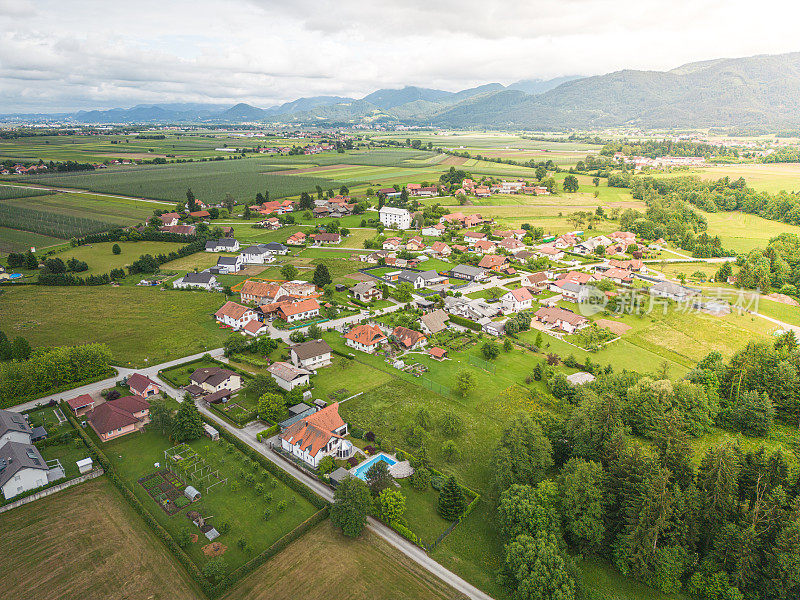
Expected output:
(101, 259)
(15, 240)
(236, 503)
(141, 325)
(421, 514)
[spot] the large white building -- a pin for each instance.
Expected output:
(396, 218)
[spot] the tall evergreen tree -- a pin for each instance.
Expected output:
(451, 500)
(321, 276)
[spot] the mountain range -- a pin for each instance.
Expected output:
(757, 92)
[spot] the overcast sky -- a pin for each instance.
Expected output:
(64, 54)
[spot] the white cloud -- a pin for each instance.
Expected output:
(99, 54)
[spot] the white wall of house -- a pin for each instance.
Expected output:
(363, 347)
(312, 363)
(25, 480)
(290, 384)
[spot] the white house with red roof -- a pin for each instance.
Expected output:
(367, 338)
(143, 386)
(235, 315)
(298, 311)
(314, 436)
(516, 300)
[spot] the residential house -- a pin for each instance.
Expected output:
(415, 244)
(559, 318)
(367, 338)
(178, 229)
(513, 245)
(22, 469)
(288, 376)
(204, 280)
(408, 339)
(169, 219)
(538, 281)
(395, 218)
(673, 291)
(270, 223)
(257, 254)
(297, 239)
(235, 315)
(228, 264)
(434, 321)
(392, 243)
(200, 214)
(254, 328)
(259, 292)
(567, 240)
(618, 276)
(550, 251)
(433, 230)
(516, 300)
(568, 289)
(468, 272)
(484, 247)
(366, 291)
(325, 238)
(222, 245)
(214, 379)
(298, 311)
(493, 262)
(311, 355)
(115, 418)
(14, 428)
(588, 246)
(473, 236)
(437, 353)
(441, 249)
(319, 434)
(143, 386)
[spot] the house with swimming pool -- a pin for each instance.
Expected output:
(313, 436)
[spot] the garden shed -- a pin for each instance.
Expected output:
(191, 493)
(211, 432)
(84, 465)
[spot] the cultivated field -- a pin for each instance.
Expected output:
(141, 325)
(86, 542)
(366, 567)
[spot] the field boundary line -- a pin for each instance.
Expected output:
(52, 490)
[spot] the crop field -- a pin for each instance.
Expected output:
(366, 567)
(742, 232)
(210, 181)
(141, 325)
(121, 211)
(16, 240)
(49, 223)
(14, 191)
(122, 558)
(772, 177)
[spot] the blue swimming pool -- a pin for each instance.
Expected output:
(361, 470)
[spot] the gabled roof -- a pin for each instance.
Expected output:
(311, 349)
(551, 314)
(81, 401)
(211, 375)
(228, 261)
(15, 456)
(204, 277)
(295, 308)
(232, 310)
(130, 404)
(407, 337)
(260, 289)
(521, 294)
(366, 334)
(107, 417)
(286, 371)
(312, 433)
(435, 321)
(138, 382)
(254, 326)
(490, 261)
(13, 421)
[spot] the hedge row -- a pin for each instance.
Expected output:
(62, 388)
(269, 466)
(268, 433)
(465, 322)
(239, 423)
(127, 493)
(57, 440)
(408, 534)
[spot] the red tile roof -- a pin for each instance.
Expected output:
(368, 335)
(139, 383)
(80, 402)
(315, 431)
(232, 310)
(407, 337)
(289, 309)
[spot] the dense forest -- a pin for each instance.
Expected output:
(616, 480)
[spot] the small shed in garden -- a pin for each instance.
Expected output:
(211, 432)
(191, 493)
(84, 465)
